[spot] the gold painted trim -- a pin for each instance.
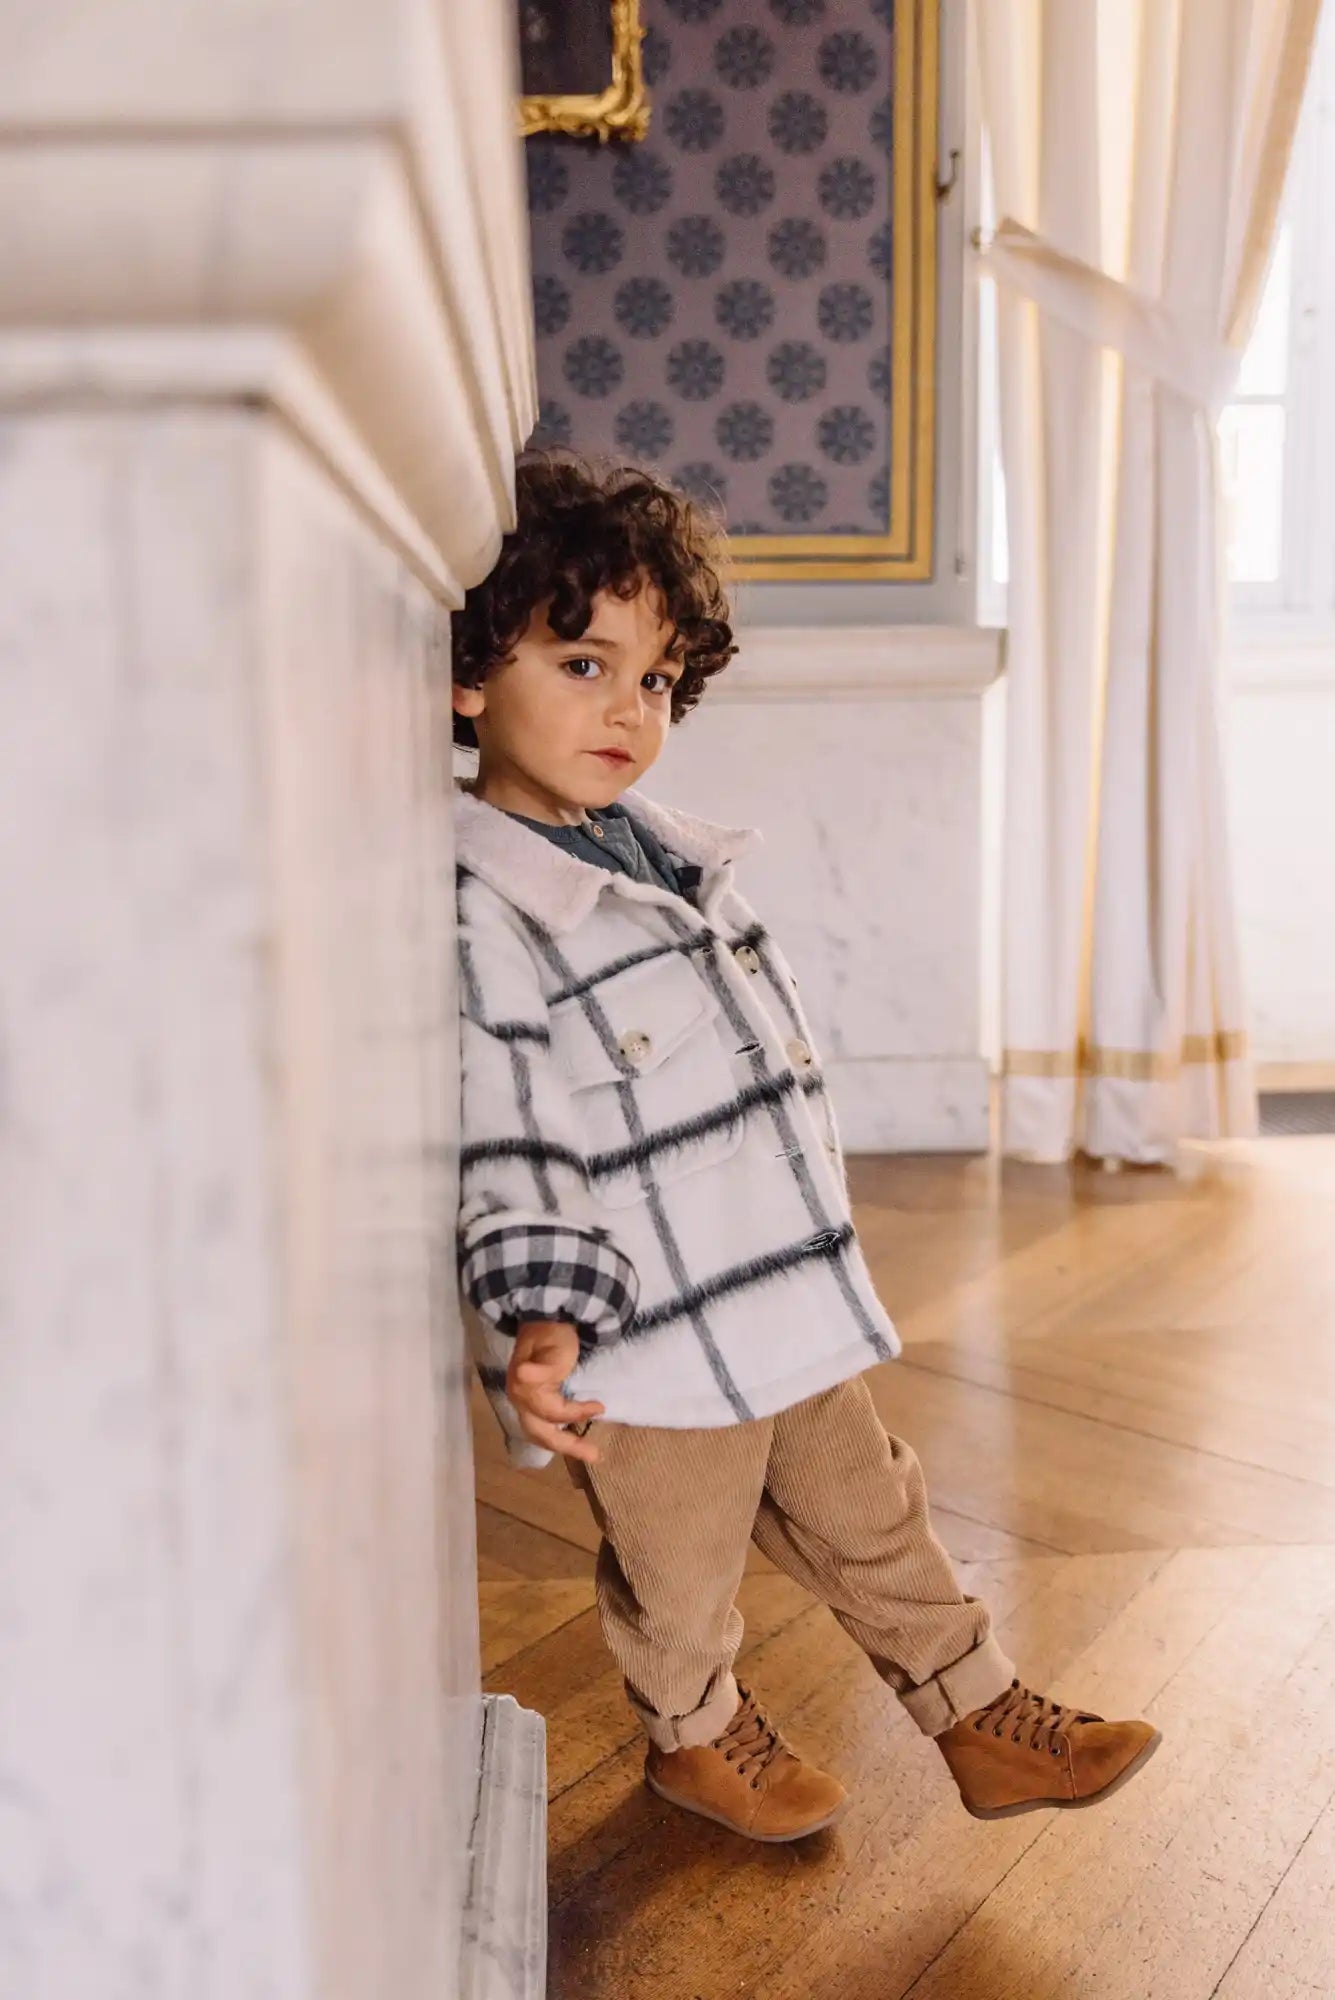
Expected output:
(619, 112)
(1128, 1065)
(904, 553)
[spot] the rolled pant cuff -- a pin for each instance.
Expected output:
(703, 1725)
(957, 1691)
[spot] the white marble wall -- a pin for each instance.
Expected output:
(1281, 771)
(860, 756)
(870, 759)
(236, 1572)
(355, 728)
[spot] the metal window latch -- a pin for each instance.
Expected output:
(946, 188)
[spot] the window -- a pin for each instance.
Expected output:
(1277, 435)
(1253, 433)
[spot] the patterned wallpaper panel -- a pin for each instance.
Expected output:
(716, 299)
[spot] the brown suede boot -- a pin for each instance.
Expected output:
(1022, 1753)
(748, 1779)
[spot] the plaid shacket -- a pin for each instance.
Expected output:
(648, 1148)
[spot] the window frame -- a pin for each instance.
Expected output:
(1302, 598)
(1299, 605)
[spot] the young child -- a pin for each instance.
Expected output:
(655, 1235)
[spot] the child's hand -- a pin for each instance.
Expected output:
(545, 1352)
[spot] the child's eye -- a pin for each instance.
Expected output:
(576, 668)
(658, 683)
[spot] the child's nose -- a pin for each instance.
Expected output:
(625, 706)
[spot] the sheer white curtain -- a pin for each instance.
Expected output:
(1138, 153)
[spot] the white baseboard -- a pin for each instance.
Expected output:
(1283, 1076)
(860, 663)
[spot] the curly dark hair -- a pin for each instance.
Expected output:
(586, 526)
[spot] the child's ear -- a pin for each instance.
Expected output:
(469, 701)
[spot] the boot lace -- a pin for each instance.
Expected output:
(750, 1741)
(1031, 1718)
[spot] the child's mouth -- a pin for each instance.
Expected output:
(619, 758)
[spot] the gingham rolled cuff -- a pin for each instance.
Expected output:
(530, 1270)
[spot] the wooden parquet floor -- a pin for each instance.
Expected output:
(1123, 1391)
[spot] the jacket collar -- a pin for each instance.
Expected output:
(558, 889)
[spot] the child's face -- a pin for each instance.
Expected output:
(569, 724)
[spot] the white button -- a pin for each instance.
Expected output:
(636, 1048)
(748, 959)
(799, 1055)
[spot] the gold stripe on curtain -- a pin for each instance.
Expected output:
(1128, 1065)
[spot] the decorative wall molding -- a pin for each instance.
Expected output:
(860, 663)
(296, 272)
(316, 208)
(266, 367)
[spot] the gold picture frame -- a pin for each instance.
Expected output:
(904, 553)
(619, 112)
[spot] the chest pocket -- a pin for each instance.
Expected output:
(654, 1088)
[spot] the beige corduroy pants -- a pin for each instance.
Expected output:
(831, 1500)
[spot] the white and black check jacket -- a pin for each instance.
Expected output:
(648, 1149)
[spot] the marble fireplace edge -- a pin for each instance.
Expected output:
(505, 1916)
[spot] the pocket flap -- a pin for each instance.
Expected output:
(626, 1026)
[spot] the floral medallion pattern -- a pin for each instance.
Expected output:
(716, 300)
